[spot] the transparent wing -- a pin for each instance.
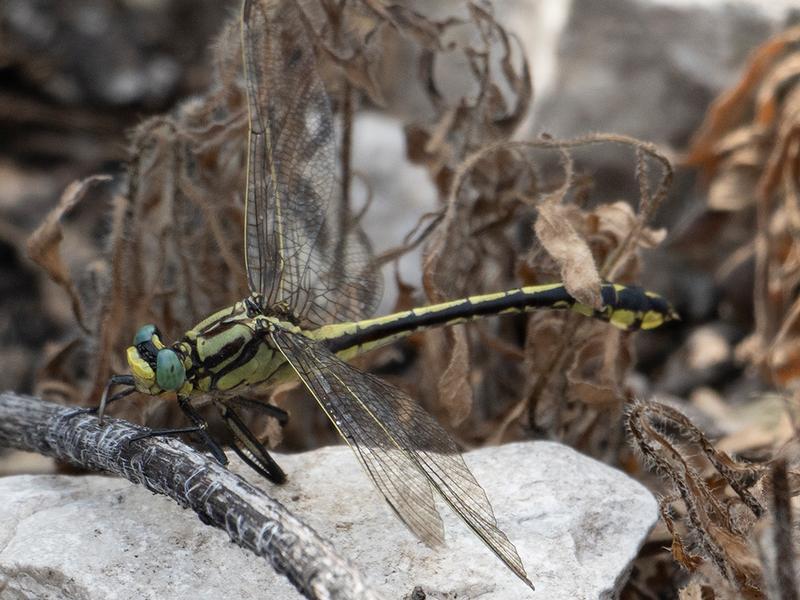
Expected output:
(401, 446)
(301, 252)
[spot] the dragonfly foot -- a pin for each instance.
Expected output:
(81, 411)
(249, 448)
(265, 408)
(212, 446)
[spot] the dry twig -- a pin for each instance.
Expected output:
(220, 498)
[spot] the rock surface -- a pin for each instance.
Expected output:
(649, 68)
(576, 523)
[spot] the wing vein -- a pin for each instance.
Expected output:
(368, 410)
(298, 254)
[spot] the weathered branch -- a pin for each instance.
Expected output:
(166, 466)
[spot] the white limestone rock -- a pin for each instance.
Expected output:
(576, 522)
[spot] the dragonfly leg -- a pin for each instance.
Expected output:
(247, 445)
(265, 408)
(115, 380)
(199, 427)
(105, 400)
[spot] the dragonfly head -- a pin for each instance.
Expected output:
(155, 368)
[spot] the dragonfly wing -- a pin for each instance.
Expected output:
(396, 475)
(379, 420)
(302, 249)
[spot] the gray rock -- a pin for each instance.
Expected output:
(649, 68)
(577, 524)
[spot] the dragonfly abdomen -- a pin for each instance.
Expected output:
(626, 307)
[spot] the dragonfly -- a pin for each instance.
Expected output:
(313, 287)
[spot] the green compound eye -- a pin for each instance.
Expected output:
(144, 334)
(170, 372)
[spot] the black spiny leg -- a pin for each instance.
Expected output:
(265, 408)
(105, 400)
(200, 427)
(246, 445)
(115, 380)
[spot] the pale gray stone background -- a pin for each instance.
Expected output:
(576, 523)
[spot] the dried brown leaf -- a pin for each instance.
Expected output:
(53, 377)
(697, 591)
(594, 375)
(44, 245)
(733, 189)
(719, 531)
(784, 362)
(569, 250)
(732, 107)
(618, 220)
(750, 145)
(502, 175)
(454, 386)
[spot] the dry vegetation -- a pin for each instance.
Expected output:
(162, 243)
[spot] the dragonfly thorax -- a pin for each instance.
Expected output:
(229, 350)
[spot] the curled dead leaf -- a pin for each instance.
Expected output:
(594, 375)
(44, 244)
(570, 251)
(454, 385)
